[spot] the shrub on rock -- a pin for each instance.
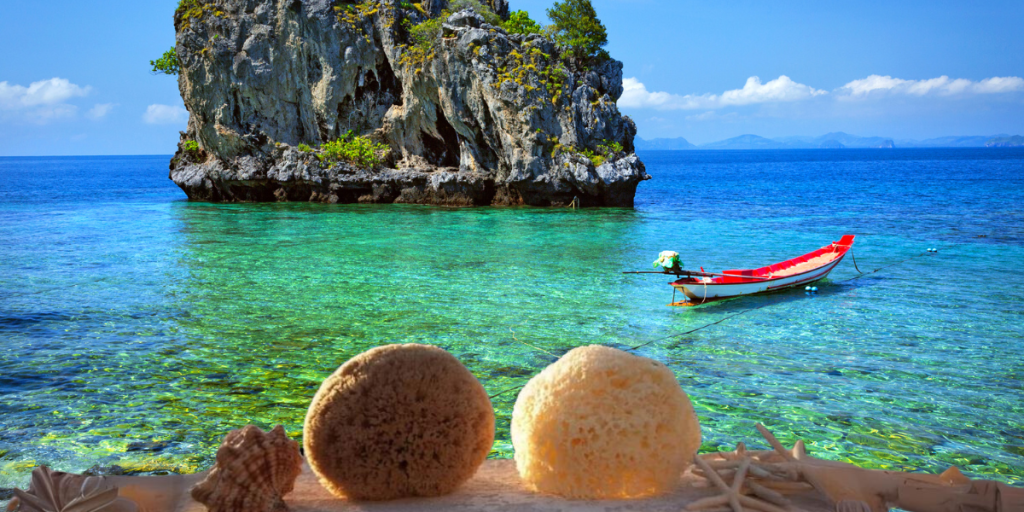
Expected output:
(577, 29)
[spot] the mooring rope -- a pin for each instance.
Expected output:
(644, 344)
(862, 274)
(517, 388)
(552, 354)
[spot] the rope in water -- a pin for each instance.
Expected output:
(552, 354)
(862, 274)
(644, 344)
(655, 340)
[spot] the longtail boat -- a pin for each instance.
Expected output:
(701, 287)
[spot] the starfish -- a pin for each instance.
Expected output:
(732, 495)
(798, 452)
(798, 455)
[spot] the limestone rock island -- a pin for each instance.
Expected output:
(471, 115)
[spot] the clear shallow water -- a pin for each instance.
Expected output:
(137, 328)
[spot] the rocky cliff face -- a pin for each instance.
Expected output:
(482, 117)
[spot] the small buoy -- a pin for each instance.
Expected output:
(814, 288)
(808, 288)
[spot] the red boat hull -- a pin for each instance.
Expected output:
(799, 271)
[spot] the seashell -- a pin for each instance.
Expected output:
(254, 471)
(56, 491)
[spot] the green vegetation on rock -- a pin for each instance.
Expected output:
(354, 149)
(189, 10)
(425, 36)
(595, 158)
(353, 14)
(609, 147)
(577, 29)
(186, 12)
(533, 70)
(480, 8)
(167, 64)
(191, 147)
(304, 148)
(423, 40)
(519, 22)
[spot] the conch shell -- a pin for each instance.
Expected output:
(254, 471)
(56, 491)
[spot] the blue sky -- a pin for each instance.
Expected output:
(74, 77)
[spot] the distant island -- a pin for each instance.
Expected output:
(1005, 142)
(834, 140)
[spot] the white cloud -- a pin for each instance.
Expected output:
(875, 85)
(713, 115)
(40, 102)
(165, 114)
(99, 111)
(46, 113)
(43, 92)
(710, 114)
(999, 84)
(783, 88)
(636, 95)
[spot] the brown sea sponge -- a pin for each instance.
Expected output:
(254, 471)
(600, 423)
(398, 421)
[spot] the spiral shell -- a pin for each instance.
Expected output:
(254, 471)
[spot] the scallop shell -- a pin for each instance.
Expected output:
(56, 491)
(254, 471)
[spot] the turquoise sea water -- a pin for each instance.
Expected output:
(137, 328)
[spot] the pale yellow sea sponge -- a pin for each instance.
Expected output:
(601, 423)
(398, 421)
